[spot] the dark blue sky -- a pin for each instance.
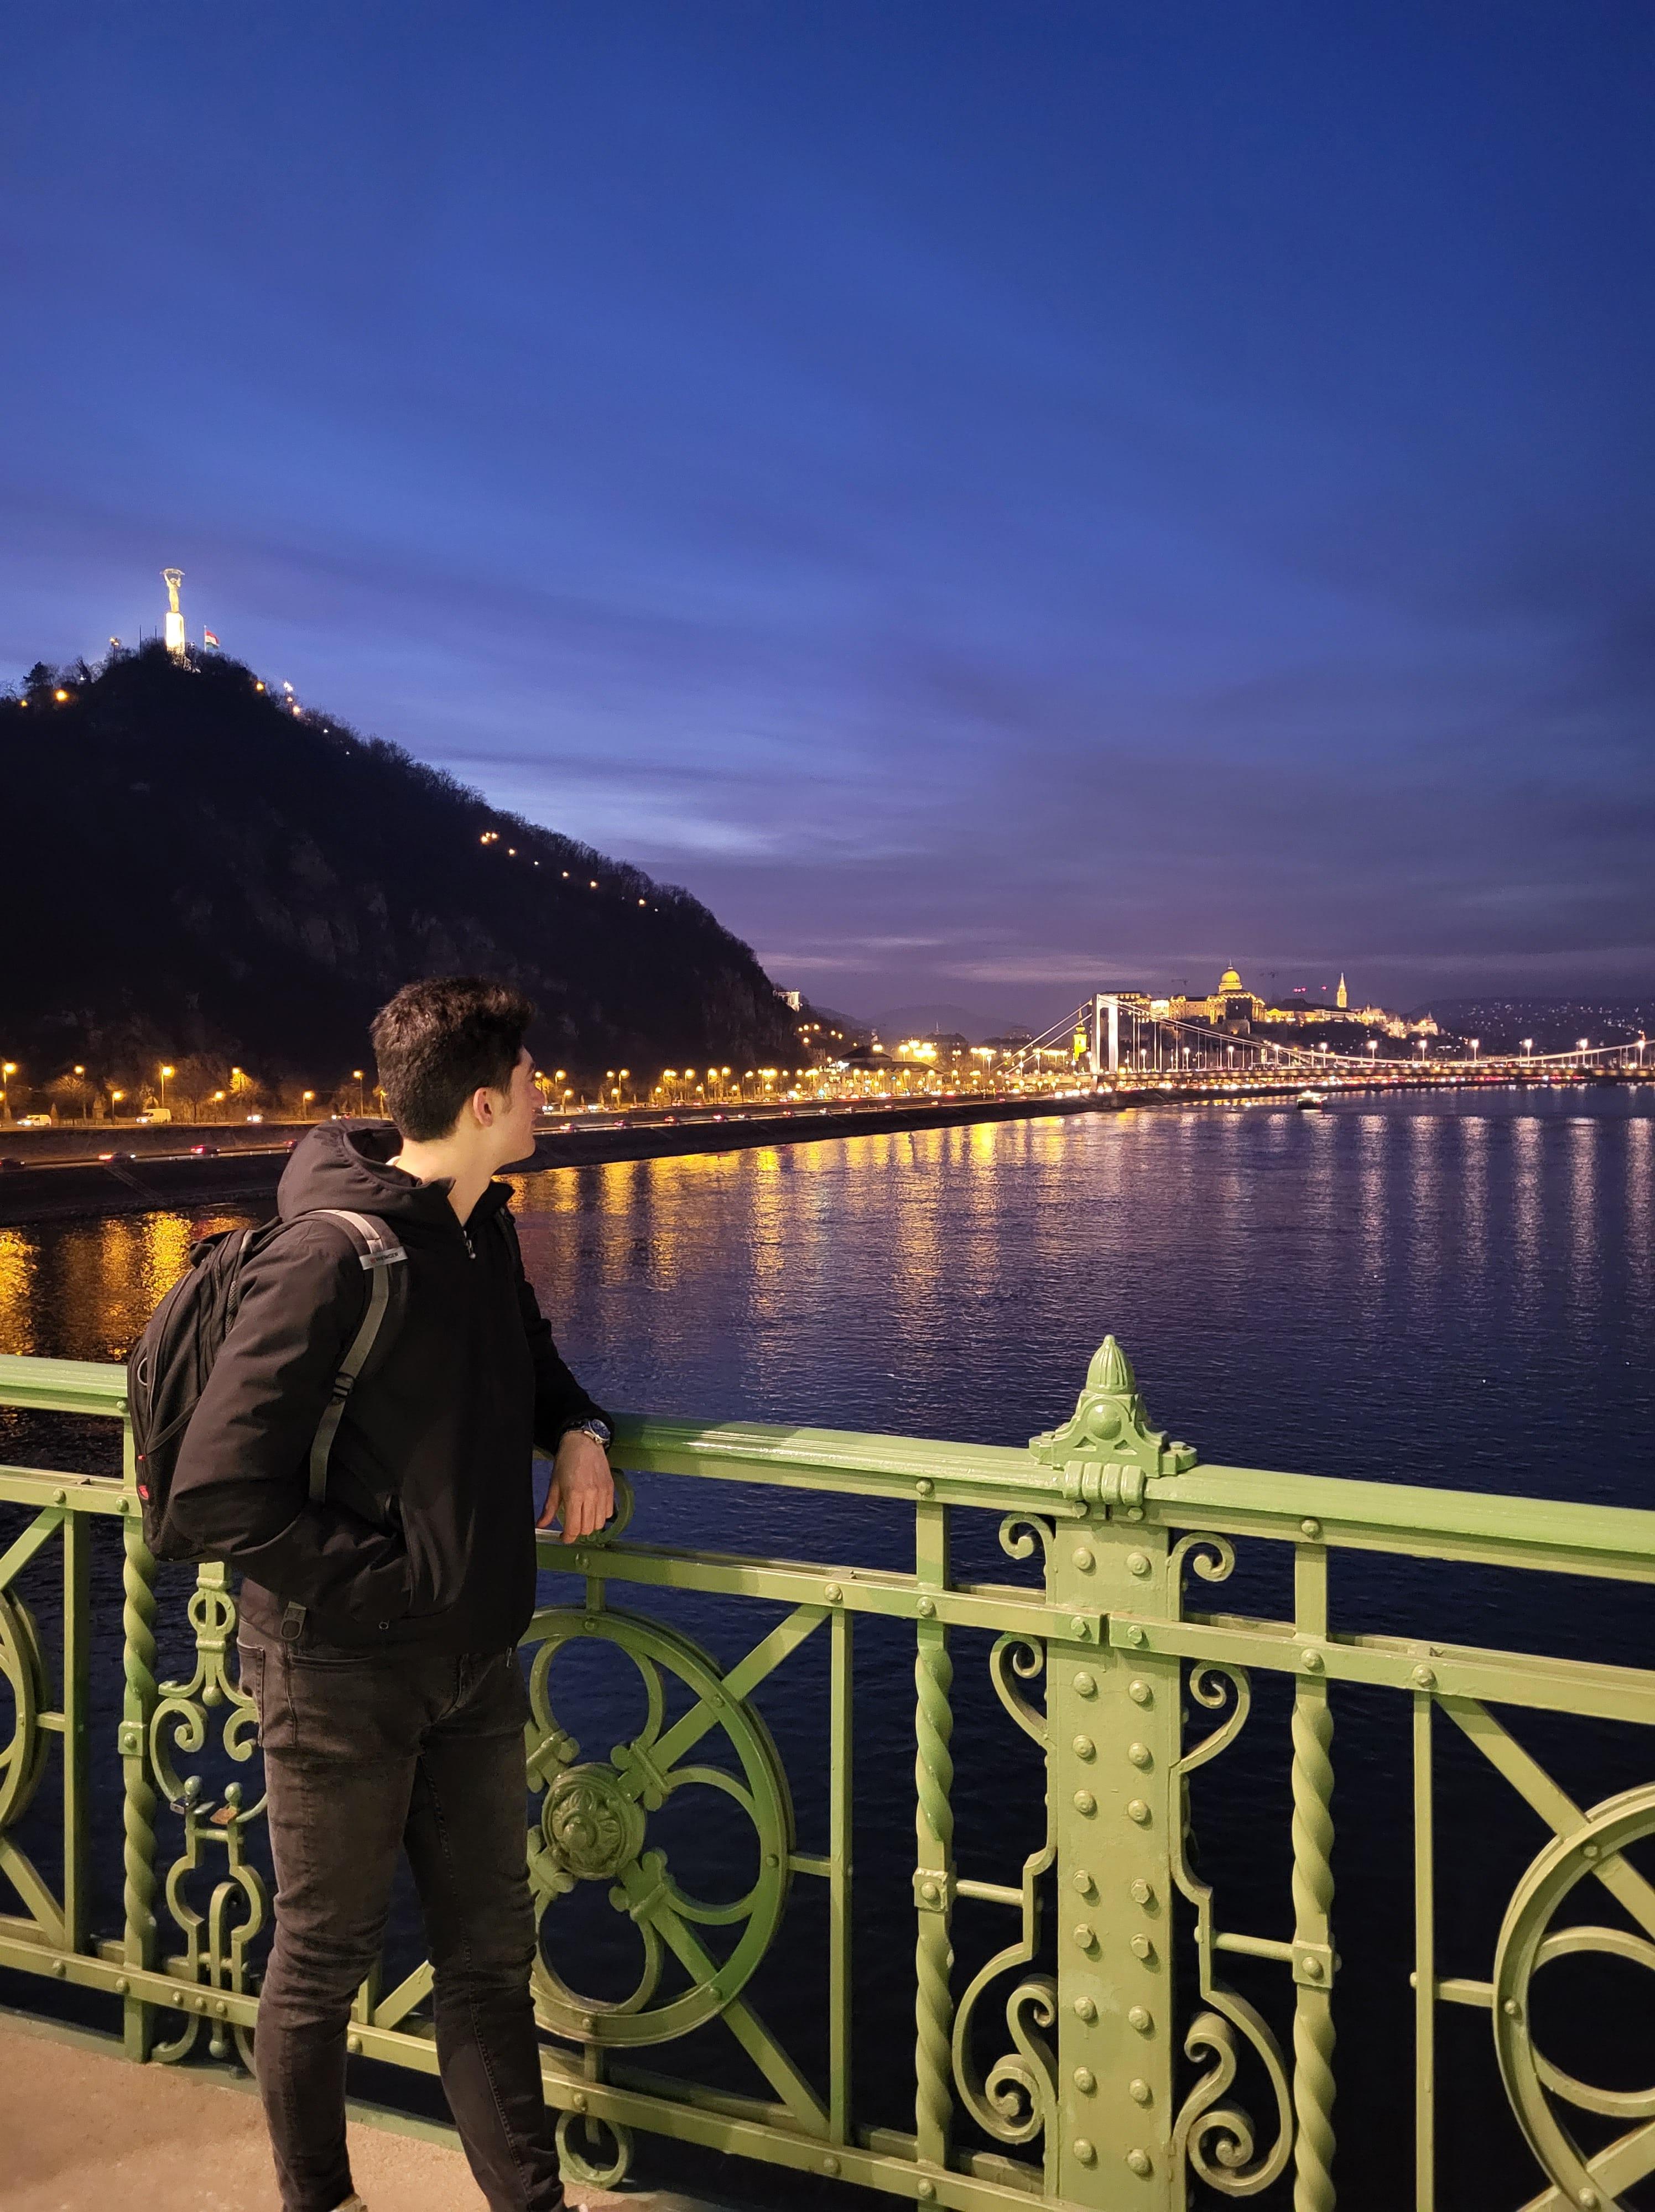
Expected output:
(995, 498)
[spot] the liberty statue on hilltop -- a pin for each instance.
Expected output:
(174, 625)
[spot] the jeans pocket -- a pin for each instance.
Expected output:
(251, 1676)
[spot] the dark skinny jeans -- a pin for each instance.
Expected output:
(366, 1755)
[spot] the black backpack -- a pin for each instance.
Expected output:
(170, 1363)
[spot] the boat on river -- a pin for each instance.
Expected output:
(1309, 1101)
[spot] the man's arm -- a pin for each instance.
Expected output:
(240, 1488)
(581, 1494)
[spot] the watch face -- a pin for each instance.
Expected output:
(602, 1430)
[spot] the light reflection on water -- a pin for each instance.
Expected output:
(1293, 1288)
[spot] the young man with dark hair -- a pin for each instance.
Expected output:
(379, 1622)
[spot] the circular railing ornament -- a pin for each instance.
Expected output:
(23, 1754)
(1527, 1943)
(594, 1827)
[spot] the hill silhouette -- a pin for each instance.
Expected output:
(196, 868)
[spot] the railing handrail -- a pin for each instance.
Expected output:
(1489, 1526)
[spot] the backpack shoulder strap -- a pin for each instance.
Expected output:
(382, 1257)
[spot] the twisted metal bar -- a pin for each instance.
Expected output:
(1312, 1898)
(934, 1956)
(139, 1801)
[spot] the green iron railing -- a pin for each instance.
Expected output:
(1105, 2096)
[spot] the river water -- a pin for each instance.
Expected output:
(1453, 1289)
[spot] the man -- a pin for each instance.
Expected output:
(379, 1627)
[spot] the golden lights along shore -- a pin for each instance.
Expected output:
(916, 1070)
(1171, 1042)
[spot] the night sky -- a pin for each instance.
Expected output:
(997, 499)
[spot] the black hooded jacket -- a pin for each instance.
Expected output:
(426, 1534)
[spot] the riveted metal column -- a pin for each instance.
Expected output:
(1312, 1893)
(934, 1823)
(138, 1799)
(1114, 1717)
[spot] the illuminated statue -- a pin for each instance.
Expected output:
(174, 632)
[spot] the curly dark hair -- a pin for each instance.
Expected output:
(439, 1040)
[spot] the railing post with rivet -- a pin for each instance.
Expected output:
(934, 1822)
(1114, 1720)
(1312, 1893)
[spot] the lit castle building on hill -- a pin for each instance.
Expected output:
(1234, 1008)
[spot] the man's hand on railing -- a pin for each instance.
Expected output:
(581, 1492)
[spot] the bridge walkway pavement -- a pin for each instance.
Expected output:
(82, 2130)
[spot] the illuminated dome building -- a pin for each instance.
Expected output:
(1231, 1007)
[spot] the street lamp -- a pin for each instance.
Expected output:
(7, 1069)
(165, 1072)
(359, 1074)
(305, 1097)
(1528, 1048)
(1475, 1042)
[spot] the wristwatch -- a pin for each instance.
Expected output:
(596, 1429)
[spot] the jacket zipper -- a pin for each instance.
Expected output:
(470, 1249)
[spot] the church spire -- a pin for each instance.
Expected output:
(1342, 997)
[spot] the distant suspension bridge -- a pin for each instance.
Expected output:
(1116, 1030)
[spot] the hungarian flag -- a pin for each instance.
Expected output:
(209, 637)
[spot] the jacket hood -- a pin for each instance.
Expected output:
(343, 1164)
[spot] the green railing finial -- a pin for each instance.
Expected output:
(1111, 1423)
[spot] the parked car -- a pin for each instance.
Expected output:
(34, 1121)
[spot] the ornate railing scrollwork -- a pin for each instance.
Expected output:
(1020, 1533)
(1211, 1558)
(216, 1942)
(1215, 2140)
(1016, 2100)
(1023, 1657)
